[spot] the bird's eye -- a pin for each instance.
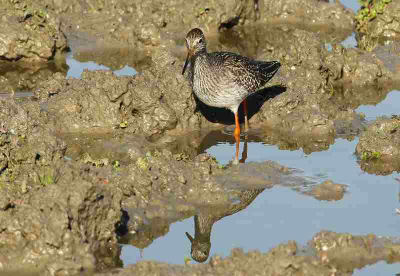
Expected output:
(200, 40)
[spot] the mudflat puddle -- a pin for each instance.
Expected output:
(281, 214)
(76, 68)
(384, 108)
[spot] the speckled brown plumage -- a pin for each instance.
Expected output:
(204, 221)
(223, 79)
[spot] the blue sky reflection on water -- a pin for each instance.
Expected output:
(76, 68)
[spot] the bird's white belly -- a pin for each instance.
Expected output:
(228, 96)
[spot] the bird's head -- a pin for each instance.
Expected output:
(200, 249)
(195, 43)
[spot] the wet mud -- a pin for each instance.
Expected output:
(88, 164)
(378, 147)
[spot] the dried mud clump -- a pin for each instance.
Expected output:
(309, 74)
(328, 191)
(29, 32)
(379, 146)
(150, 103)
(58, 229)
(356, 67)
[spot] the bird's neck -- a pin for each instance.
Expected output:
(195, 63)
(199, 58)
(202, 227)
(200, 53)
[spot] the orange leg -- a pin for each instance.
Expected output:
(246, 121)
(236, 134)
(237, 128)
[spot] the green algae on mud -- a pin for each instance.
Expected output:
(378, 147)
(378, 19)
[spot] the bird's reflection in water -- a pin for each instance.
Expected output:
(205, 219)
(244, 153)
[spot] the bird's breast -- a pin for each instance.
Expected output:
(216, 86)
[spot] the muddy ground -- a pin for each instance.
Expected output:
(86, 162)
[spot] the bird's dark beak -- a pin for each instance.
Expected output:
(187, 234)
(189, 55)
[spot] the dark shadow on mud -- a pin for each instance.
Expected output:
(121, 228)
(254, 102)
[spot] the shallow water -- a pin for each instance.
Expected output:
(384, 108)
(380, 268)
(76, 68)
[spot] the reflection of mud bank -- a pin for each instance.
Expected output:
(21, 77)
